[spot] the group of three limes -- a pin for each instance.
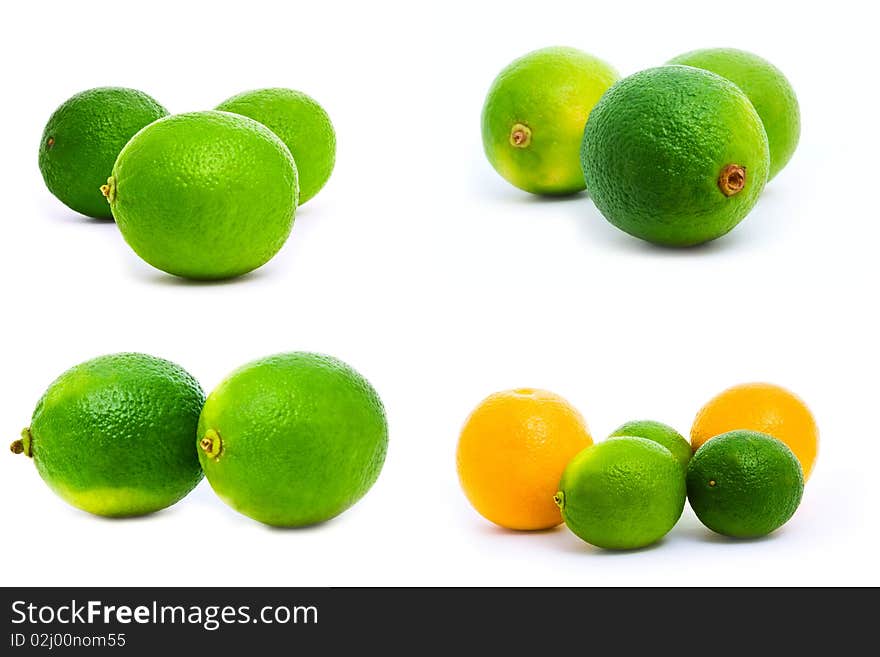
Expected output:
(676, 155)
(202, 195)
(526, 461)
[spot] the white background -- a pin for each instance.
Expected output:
(421, 267)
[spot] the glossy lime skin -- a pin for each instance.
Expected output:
(655, 147)
(744, 484)
(550, 91)
(82, 139)
(205, 195)
(661, 434)
(303, 437)
(114, 435)
(301, 123)
(622, 494)
(769, 90)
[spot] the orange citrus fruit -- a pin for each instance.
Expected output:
(512, 452)
(762, 407)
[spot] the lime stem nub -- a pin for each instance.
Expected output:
(732, 179)
(520, 135)
(23, 444)
(109, 190)
(559, 499)
(211, 444)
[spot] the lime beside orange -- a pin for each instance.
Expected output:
(744, 484)
(622, 494)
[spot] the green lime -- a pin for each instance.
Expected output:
(675, 155)
(768, 89)
(82, 139)
(622, 494)
(205, 195)
(301, 123)
(534, 116)
(744, 484)
(660, 433)
(293, 439)
(114, 435)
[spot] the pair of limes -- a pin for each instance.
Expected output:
(289, 440)
(676, 155)
(203, 195)
(526, 461)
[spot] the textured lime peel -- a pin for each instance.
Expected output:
(622, 494)
(82, 139)
(744, 484)
(304, 437)
(211, 444)
(301, 123)
(767, 88)
(23, 445)
(732, 179)
(520, 136)
(102, 453)
(548, 92)
(204, 195)
(695, 127)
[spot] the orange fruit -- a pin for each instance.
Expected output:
(512, 452)
(762, 407)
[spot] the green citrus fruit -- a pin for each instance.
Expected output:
(661, 434)
(301, 123)
(675, 155)
(292, 439)
(744, 484)
(767, 88)
(622, 494)
(114, 435)
(534, 116)
(205, 195)
(82, 139)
